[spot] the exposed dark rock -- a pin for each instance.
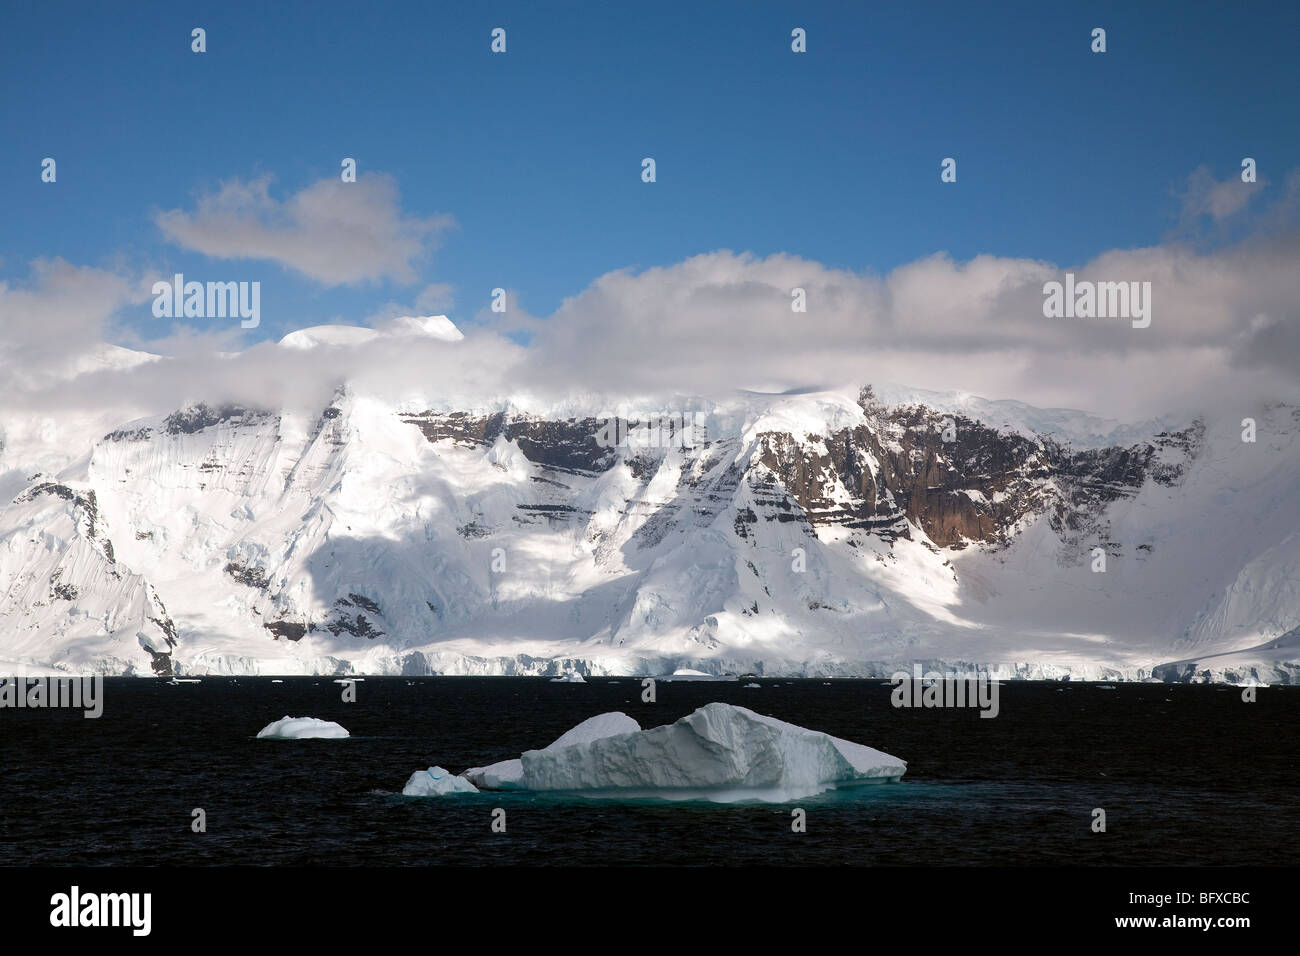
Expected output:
(198, 417)
(362, 601)
(291, 630)
(251, 575)
(572, 445)
(163, 620)
(129, 434)
(957, 479)
(160, 663)
(86, 503)
(360, 627)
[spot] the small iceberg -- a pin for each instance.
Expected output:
(435, 782)
(573, 677)
(298, 728)
(754, 686)
(721, 753)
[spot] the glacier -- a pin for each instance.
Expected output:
(299, 728)
(720, 753)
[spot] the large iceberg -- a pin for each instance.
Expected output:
(294, 728)
(720, 752)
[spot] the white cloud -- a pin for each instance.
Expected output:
(1225, 331)
(333, 232)
(437, 298)
(49, 323)
(1206, 196)
(1224, 324)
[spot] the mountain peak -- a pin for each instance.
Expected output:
(426, 326)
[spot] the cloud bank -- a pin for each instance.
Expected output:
(1224, 333)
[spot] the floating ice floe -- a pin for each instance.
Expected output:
(570, 678)
(295, 728)
(720, 752)
(749, 686)
(435, 782)
(686, 673)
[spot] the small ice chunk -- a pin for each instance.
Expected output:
(573, 677)
(296, 728)
(756, 686)
(435, 782)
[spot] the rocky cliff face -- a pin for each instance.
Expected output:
(955, 479)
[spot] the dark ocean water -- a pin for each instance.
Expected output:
(1186, 775)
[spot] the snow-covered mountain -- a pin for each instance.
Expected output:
(826, 533)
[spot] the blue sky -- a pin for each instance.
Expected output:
(832, 155)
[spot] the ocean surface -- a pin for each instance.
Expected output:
(1186, 774)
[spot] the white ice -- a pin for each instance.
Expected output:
(687, 673)
(508, 774)
(435, 782)
(296, 728)
(720, 752)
